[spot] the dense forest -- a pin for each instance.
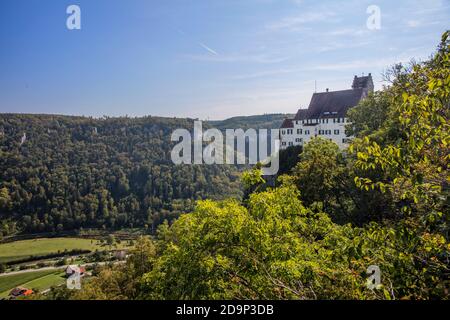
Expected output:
(61, 173)
(383, 202)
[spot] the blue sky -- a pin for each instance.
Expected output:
(201, 58)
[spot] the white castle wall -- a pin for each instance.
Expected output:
(302, 133)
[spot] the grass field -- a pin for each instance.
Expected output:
(17, 250)
(40, 280)
(45, 282)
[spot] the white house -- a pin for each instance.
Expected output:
(326, 115)
(75, 269)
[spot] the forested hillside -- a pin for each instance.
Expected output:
(63, 173)
(383, 202)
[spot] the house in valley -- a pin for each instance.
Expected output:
(72, 269)
(20, 292)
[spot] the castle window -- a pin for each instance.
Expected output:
(283, 132)
(299, 131)
(336, 131)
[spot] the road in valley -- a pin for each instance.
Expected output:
(58, 268)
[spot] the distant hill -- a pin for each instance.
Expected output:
(265, 121)
(60, 173)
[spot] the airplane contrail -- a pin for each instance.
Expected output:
(204, 46)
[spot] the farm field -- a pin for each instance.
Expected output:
(14, 251)
(47, 281)
(40, 280)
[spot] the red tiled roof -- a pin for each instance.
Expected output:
(20, 291)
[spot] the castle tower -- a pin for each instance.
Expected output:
(364, 82)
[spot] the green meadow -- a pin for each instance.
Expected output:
(14, 251)
(38, 280)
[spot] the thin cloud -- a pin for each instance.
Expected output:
(414, 23)
(369, 63)
(263, 74)
(293, 23)
(348, 32)
(342, 45)
(251, 58)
